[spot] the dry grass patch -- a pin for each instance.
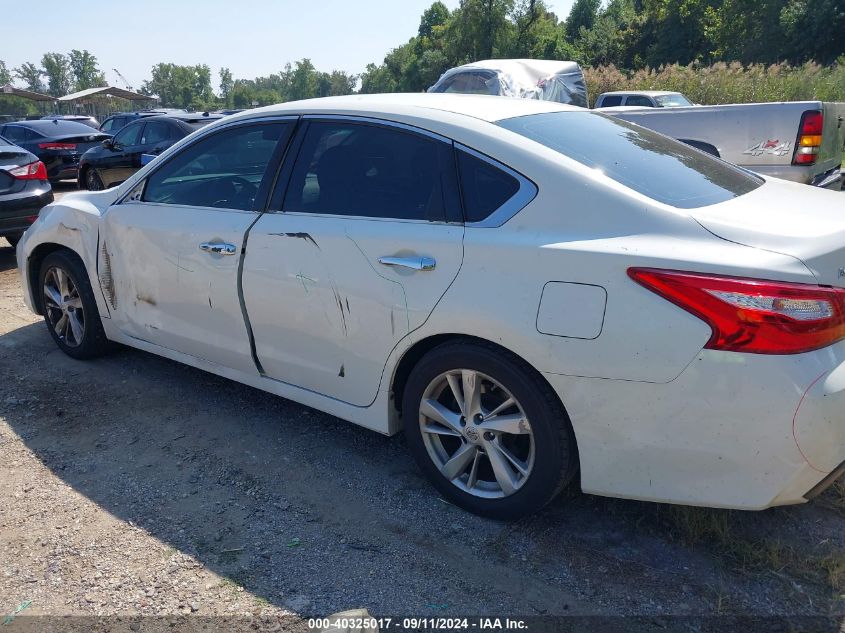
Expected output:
(718, 530)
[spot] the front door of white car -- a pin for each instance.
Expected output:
(173, 246)
(367, 236)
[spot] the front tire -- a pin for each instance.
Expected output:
(70, 310)
(487, 431)
(93, 182)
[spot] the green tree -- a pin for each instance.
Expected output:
(437, 15)
(227, 84)
(5, 75)
(814, 30)
(58, 72)
(584, 14)
(304, 81)
(86, 73)
(181, 86)
(31, 75)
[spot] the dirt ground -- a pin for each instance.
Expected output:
(133, 485)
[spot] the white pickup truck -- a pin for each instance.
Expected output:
(799, 140)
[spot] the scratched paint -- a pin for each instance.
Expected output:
(301, 236)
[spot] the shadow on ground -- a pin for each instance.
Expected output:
(286, 501)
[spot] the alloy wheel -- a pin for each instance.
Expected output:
(63, 307)
(477, 434)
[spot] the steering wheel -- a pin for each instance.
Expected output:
(247, 188)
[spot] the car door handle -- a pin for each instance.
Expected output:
(414, 263)
(219, 248)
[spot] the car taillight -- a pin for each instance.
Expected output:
(809, 138)
(33, 171)
(67, 146)
(753, 315)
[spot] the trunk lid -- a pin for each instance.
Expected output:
(788, 218)
(12, 156)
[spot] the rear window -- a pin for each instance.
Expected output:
(654, 165)
(611, 102)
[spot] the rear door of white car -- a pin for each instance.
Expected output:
(172, 248)
(366, 237)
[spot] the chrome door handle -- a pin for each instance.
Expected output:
(414, 263)
(219, 248)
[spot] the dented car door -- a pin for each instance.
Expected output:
(173, 245)
(365, 238)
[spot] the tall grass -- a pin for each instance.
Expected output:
(728, 83)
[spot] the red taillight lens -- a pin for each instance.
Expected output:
(753, 315)
(809, 138)
(68, 146)
(33, 171)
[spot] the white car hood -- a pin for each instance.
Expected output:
(788, 218)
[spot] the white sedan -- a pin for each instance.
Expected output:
(528, 290)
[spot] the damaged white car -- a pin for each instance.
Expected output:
(527, 289)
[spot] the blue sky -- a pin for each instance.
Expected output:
(251, 37)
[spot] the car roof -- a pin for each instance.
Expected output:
(52, 126)
(425, 104)
(648, 93)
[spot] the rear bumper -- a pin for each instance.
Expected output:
(18, 211)
(742, 431)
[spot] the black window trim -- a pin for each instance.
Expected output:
(279, 193)
(135, 191)
(517, 202)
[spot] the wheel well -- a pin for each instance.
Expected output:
(419, 349)
(34, 267)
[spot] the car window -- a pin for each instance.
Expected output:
(14, 133)
(378, 171)
(654, 165)
(639, 101)
(155, 132)
(479, 83)
(223, 170)
(485, 187)
(672, 101)
(611, 101)
(107, 125)
(128, 136)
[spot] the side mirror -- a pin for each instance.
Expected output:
(108, 143)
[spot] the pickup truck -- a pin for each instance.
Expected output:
(642, 99)
(802, 141)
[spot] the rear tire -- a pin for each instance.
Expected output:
(512, 454)
(70, 310)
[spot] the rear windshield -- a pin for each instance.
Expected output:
(654, 165)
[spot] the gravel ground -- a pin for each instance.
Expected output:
(133, 485)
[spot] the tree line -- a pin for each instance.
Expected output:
(625, 40)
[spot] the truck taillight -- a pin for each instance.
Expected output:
(753, 315)
(33, 171)
(809, 138)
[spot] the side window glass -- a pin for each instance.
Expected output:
(611, 101)
(128, 136)
(224, 169)
(640, 101)
(376, 171)
(106, 127)
(14, 133)
(155, 132)
(485, 187)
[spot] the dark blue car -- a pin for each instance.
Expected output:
(58, 144)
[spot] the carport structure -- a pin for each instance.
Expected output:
(100, 102)
(44, 102)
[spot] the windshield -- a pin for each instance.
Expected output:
(654, 165)
(672, 101)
